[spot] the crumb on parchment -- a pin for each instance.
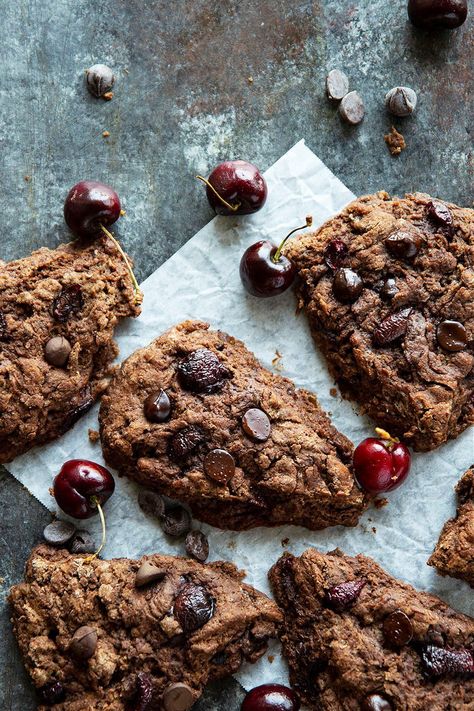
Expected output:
(93, 436)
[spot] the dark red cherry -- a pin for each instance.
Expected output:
(235, 187)
(381, 465)
(271, 697)
(80, 486)
(261, 275)
(437, 14)
(89, 205)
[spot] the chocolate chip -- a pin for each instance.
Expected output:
(151, 503)
(83, 643)
(197, 545)
(176, 521)
(351, 108)
(392, 328)
(341, 597)
(397, 629)
(403, 244)
(148, 573)
(77, 411)
(178, 697)
(337, 85)
(52, 693)
(439, 213)
(82, 542)
(185, 442)
(157, 407)
(69, 301)
(219, 465)
(99, 79)
(401, 101)
(389, 289)
(143, 696)
(347, 285)
(256, 424)
(375, 702)
(3, 327)
(202, 372)
(193, 607)
(57, 351)
(335, 253)
(451, 336)
(443, 661)
(59, 533)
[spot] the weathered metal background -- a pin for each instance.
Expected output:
(183, 101)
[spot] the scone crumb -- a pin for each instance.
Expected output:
(105, 134)
(380, 503)
(285, 542)
(333, 392)
(94, 436)
(395, 142)
(271, 658)
(276, 362)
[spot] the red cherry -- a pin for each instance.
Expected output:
(271, 697)
(437, 14)
(380, 465)
(81, 486)
(235, 187)
(88, 206)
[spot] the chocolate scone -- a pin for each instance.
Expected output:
(58, 310)
(454, 552)
(196, 417)
(356, 638)
(388, 287)
(134, 634)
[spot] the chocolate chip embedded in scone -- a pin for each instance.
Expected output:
(134, 634)
(242, 447)
(388, 288)
(356, 638)
(58, 311)
(454, 552)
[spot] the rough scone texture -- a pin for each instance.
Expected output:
(454, 552)
(411, 387)
(300, 475)
(136, 628)
(337, 659)
(39, 402)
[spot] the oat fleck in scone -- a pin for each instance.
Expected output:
(356, 638)
(123, 634)
(197, 418)
(58, 311)
(388, 287)
(454, 552)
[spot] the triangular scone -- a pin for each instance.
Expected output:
(388, 287)
(291, 464)
(454, 552)
(77, 292)
(111, 634)
(357, 638)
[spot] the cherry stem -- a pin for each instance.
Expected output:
(136, 288)
(234, 208)
(277, 255)
(96, 502)
(383, 434)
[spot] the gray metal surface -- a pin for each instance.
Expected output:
(183, 101)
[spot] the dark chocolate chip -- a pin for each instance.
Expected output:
(202, 372)
(185, 442)
(57, 351)
(347, 285)
(178, 697)
(452, 336)
(219, 465)
(69, 301)
(99, 79)
(392, 327)
(256, 424)
(3, 327)
(193, 607)
(335, 253)
(397, 629)
(83, 643)
(151, 503)
(77, 411)
(197, 545)
(176, 521)
(337, 85)
(389, 289)
(157, 407)
(148, 573)
(439, 213)
(443, 661)
(351, 108)
(52, 693)
(82, 542)
(403, 244)
(59, 533)
(341, 597)
(375, 702)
